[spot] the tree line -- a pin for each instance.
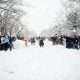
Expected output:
(67, 22)
(10, 16)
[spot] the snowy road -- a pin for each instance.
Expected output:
(35, 63)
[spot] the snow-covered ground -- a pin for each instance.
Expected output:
(35, 63)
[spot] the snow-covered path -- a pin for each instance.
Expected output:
(35, 63)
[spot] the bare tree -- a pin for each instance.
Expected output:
(71, 20)
(10, 16)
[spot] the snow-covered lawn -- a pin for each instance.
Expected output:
(35, 63)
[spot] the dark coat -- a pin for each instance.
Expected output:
(41, 43)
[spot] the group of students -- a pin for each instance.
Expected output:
(6, 42)
(33, 41)
(73, 42)
(69, 42)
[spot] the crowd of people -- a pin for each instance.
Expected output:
(33, 41)
(6, 42)
(67, 41)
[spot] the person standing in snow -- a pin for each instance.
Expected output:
(41, 43)
(64, 41)
(26, 41)
(79, 42)
(10, 43)
(75, 42)
(4, 42)
(33, 41)
(0, 42)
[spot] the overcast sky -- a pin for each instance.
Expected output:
(42, 14)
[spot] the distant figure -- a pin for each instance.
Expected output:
(4, 43)
(32, 41)
(0, 42)
(79, 42)
(26, 41)
(41, 43)
(10, 43)
(75, 42)
(64, 41)
(68, 42)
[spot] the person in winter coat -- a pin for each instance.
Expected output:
(75, 42)
(41, 43)
(4, 43)
(0, 42)
(33, 41)
(10, 43)
(26, 41)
